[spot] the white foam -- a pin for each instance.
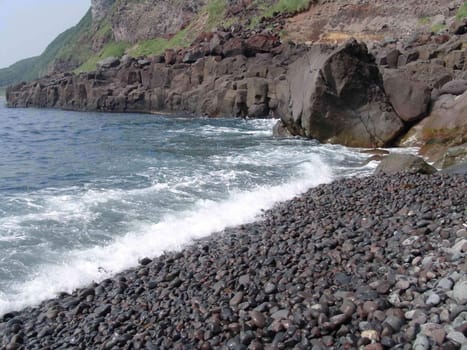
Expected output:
(52, 205)
(79, 268)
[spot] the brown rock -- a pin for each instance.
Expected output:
(452, 156)
(455, 59)
(409, 98)
(395, 163)
(445, 127)
(170, 56)
(234, 47)
(432, 74)
(454, 87)
(257, 319)
(260, 43)
(392, 58)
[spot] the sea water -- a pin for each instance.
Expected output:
(86, 195)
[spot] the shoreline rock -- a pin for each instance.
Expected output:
(332, 93)
(359, 263)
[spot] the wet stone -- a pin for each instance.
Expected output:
(457, 337)
(402, 285)
(102, 310)
(342, 278)
(236, 299)
(433, 299)
(257, 319)
(145, 261)
(276, 284)
(269, 288)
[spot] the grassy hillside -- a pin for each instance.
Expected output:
(24, 70)
(462, 12)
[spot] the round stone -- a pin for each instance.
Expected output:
(433, 299)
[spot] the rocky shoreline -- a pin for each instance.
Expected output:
(361, 263)
(404, 92)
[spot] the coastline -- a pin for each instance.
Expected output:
(294, 279)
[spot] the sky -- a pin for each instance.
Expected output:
(28, 26)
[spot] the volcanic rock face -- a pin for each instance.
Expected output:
(334, 95)
(142, 20)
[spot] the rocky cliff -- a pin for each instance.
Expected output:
(143, 20)
(100, 9)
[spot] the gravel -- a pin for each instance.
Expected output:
(362, 263)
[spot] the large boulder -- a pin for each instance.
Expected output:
(337, 96)
(410, 98)
(396, 163)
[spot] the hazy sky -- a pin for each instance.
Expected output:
(28, 26)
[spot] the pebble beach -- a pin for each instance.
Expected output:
(361, 263)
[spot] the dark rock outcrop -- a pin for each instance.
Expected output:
(337, 96)
(409, 98)
(333, 94)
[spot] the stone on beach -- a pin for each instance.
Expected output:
(286, 281)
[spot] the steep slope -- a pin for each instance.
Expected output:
(149, 27)
(140, 28)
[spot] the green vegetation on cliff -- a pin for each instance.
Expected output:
(112, 49)
(288, 6)
(462, 13)
(24, 70)
(159, 45)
